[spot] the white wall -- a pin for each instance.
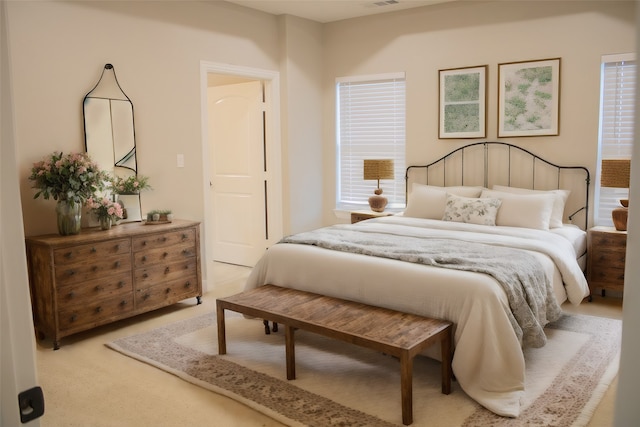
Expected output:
(422, 41)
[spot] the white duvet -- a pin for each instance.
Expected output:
(488, 360)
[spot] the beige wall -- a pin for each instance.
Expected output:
(422, 41)
(59, 49)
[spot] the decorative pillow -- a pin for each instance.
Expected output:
(428, 201)
(560, 199)
(471, 210)
(523, 210)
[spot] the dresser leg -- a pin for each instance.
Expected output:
(56, 345)
(199, 300)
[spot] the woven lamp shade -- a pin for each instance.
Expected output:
(378, 169)
(615, 173)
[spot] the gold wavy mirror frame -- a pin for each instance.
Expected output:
(109, 134)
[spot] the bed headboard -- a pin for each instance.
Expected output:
(499, 163)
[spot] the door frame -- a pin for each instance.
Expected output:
(271, 81)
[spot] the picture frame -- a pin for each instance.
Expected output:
(529, 98)
(463, 102)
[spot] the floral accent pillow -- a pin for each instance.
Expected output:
(471, 210)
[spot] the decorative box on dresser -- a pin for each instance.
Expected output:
(606, 252)
(97, 277)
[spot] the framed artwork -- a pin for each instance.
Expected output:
(529, 98)
(463, 102)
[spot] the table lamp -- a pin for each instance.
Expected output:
(378, 169)
(616, 174)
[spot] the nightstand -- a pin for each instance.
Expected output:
(606, 251)
(357, 216)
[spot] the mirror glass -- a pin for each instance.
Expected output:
(109, 134)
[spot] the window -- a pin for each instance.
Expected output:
(617, 101)
(370, 125)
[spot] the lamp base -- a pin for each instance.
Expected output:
(619, 216)
(377, 203)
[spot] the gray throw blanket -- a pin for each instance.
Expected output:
(519, 273)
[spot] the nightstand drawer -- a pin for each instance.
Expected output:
(606, 251)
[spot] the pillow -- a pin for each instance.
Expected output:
(560, 200)
(428, 201)
(471, 210)
(523, 210)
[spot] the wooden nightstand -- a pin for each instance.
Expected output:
(357, 216)
(606, 251)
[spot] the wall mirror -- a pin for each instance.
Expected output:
(109, 134)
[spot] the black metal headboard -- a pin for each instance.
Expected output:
(500, 163)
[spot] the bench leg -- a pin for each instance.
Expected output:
(445, 346)
(222, 339)
(406, 387)
(290, 352)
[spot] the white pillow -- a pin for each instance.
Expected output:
(523, 210)
(560, 199)
(428, 201)
(471, 210)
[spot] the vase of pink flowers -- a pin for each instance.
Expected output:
(106, 211)
(70, 179)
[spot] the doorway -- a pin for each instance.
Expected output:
(242, 165)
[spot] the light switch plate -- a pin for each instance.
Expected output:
(180, 160)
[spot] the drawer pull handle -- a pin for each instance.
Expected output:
(116, 264)
(94, 250)
(99, 288)
(68, 255)
(164, 255)
(71, 272)
(121, 284)
(94, 268)
(117, 247)
(187, 284)
(163, 239)
(72, 294)
(144, 243)
(145, 296)
(185, 252)
(73, 317)
(168, 291)
(123, 302)
(184, 236)
(166, 270)
(98, 309)
(145, 275)
(144, 258)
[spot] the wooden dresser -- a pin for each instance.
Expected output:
(606, 249)
(97, 277)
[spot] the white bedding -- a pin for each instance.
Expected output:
(488, 360)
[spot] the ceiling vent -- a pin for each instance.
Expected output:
(385, 3)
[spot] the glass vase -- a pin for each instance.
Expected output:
(105, 223)
(69, 215)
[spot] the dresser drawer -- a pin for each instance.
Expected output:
(90, 314)
(96, 269)
(145, 243)
(151, 276)
(167, 293)
(164, 255)
(88, 254)
(110, 286)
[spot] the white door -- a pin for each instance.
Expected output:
(238, 176)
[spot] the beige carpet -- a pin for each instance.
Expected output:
(340, 384)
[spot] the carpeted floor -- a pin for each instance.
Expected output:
(341, 384)
(87, 384)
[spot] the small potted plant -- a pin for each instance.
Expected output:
(105, 210)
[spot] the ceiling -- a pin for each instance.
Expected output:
(324, 11)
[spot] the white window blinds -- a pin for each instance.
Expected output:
(370, 125)
(617, 112)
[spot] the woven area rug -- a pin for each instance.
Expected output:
(339, 384)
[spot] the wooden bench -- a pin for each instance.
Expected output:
(388, 331)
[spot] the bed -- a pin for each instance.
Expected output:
(492, 239)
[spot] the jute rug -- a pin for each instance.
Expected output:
(340, 384)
